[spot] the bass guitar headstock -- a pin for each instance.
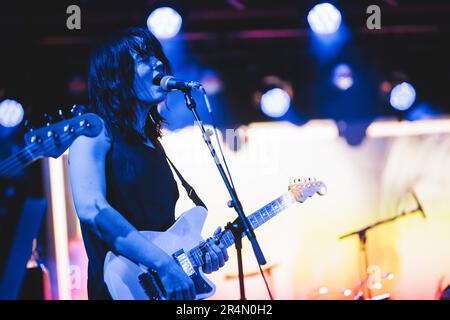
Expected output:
(54, 139)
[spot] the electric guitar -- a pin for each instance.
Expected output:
(51, 141)
(126, 280)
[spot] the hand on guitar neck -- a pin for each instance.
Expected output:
(216, 253)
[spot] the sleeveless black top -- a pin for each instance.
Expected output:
(140, 185)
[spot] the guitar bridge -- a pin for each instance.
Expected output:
(183, 260)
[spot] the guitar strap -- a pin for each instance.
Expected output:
(189, 189)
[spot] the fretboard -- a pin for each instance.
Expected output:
(256, 219)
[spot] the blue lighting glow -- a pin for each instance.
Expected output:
(324, 19)
(342, 76)
(403, 96)
(11, 113)
(164, 23)
(275, 103)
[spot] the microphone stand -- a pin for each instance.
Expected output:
(240, 225)
(363, 239)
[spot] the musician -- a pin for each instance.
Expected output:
(121, 181)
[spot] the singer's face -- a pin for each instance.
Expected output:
(145, 70)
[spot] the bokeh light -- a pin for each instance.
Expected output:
(164, 23)
(324, 19)
(402, 96)
(275, 102)
(342, 76)
(11, 113)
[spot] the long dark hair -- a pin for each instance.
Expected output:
(111, 79)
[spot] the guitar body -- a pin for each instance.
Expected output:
(122, 276)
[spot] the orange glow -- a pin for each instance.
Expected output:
(366, 184)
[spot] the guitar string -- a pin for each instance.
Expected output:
(202, 248)
(195, 255)
(19, 160)
(15, 160)
(12, 160)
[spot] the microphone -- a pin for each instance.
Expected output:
(169, 83)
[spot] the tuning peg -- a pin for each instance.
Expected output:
(61, 114)
(78, 110)
(322, 189)
(48, 118)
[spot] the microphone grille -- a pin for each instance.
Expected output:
(164, 81)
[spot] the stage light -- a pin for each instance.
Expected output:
(378, 285)
(390, 276)
(347, 292)
(342, 76)
(164, 23)
(275, 102)
(323, 290)
(324, 19)
(11, 113)
(422, 111)
(403, 96)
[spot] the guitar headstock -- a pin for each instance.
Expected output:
(53, 139)
(302, 189)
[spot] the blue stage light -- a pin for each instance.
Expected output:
(164, 23)
(342, 76)
(324, 19)
(421, 112)
(403, 96)
(11, 113)
(275, 102)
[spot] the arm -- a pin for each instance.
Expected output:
(87, 158)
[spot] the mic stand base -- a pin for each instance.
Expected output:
(236, 230)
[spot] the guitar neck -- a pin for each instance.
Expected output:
(16, 162)
(51, 141)
(256, 219)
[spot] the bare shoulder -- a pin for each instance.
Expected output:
(87, 173)
(90, 147)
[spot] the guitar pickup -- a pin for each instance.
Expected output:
(149, 281)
